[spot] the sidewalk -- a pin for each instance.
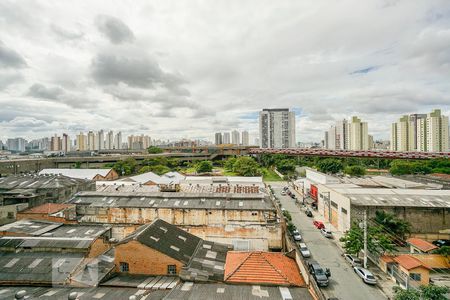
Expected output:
(385, 283)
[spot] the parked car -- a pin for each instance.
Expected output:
(320, 275)
(293, 196)
(304, 251)
(318, 224)
(354, 261)
(441, 243)
(309, 213)
(314, 205)
(285, 188)
(297, 237)
(326, 233)
(365, 275)
(283, 193)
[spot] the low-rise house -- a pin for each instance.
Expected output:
(161, 249)
(411, 271)
(420, 246)
(53, 212)
(262, 268)
(89, 174)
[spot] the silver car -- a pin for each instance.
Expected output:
(304, 250)
(354, 261)
(326, 233)
(365, 275)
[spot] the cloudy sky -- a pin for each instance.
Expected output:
(174, 69)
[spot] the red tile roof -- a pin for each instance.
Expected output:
(409, 262)
(257, 267)
(47, 208)
(422, 245)
(387, 258)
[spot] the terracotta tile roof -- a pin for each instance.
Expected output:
(422, 245)
(387, 258)
(434, 261)
(257, 267)
(47, 208)
(409, 262)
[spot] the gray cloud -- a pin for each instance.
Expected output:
(9, 78)
(66, 34)
(114, 29)
(10, 58)
(38, 90)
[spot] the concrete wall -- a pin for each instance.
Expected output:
(143, 260)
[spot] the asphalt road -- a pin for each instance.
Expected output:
(344, 283)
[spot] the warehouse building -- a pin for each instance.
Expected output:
(88, 174)
(248, 221)
(19, 192)
(342, 201)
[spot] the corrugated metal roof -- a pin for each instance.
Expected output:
(77, 173)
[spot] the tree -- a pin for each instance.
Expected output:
(433, 292)
(285, 166)
(444, 250)
(125, 167)
(154, 150)
(155, 161)
(355, 170)
(397, 227)
(229, 164)
(330, 165)
(377, 240)
(204, 166)
(158, 169)
(246, 166)
(425, 292)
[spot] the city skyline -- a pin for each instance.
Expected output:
(155, 71)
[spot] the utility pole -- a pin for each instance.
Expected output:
(365, 237)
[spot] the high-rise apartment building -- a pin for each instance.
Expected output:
(277, 128)
(245, 138)
(99, 142)
(358, 134)
(118, 140)
(91, 141)
(17, 144)
(109, 140)
(235, 137)
(226, 138)
(136, 142)
(55, 143)
(66, 144)
(218, 138)
(420, 132)
(82, 142)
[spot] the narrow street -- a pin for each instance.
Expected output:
(344, 283)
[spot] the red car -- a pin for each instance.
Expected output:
(318, 224)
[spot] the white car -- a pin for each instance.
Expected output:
(304, 250)
(283, 193)
(296, 235)
(326, 233)
(365, 275)
(354, 261)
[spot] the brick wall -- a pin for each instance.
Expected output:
(143, 260)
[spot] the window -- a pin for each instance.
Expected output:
(415, 276)
(171, 270)
(124, 267)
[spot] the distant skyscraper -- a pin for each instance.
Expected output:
(17, 144)
(245, 138)
(91, 140)
(109, 140)
(235, 137)
(99, 142)
(66, 144)
(358, 134)
(277, 128)
(118, 140)
(226, 138)
(420, 132)
(337, 137)
(218, 138)
(55, 143)
(82, 142)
